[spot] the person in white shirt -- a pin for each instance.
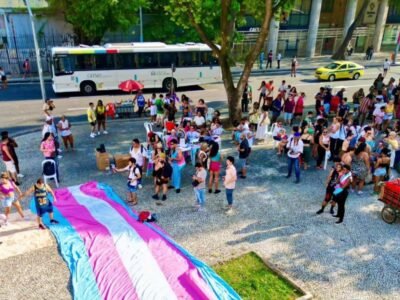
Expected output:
(133, 180)
(65, 128)
(386, 66)
(199, 120)
(278, 60)
(138, 152)
(295, 149)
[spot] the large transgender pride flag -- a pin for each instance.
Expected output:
(113, 256)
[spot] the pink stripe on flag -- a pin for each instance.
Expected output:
(112, 279)
(179, 271)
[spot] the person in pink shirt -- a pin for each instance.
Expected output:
(299, 107)
(48, 146)
(230, 182)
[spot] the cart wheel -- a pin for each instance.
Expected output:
(388, 215)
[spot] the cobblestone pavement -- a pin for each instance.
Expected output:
(359, 259)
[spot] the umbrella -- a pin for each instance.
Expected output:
(130, 86)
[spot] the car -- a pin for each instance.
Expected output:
(340, 70)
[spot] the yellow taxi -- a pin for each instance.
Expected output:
(340, 70)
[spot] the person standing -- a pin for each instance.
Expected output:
(244, 152)
(245, 99)
(178, 163)
(269, 59)
(65, 128)
(8, 159)
(299, 106)
(230, 182)
(331, 182)
(26, 66)
(366, 104)
(263, 122)
(49, 150)
(153, 108)
(101, 117)
(386, 66)
(214, 157)
(7, 195)
(133, 180)
(341, 192)
(140, 101)
(138, 152)
(3, 77)
(293, 67)
(278, 60)
(12, 144)
(199, 185)
(295, 148)
(91, 116)
(162, 173)
(43, 205)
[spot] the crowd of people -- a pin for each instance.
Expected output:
(359, 141)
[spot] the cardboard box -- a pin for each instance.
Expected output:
(102, 161)
(121, 160)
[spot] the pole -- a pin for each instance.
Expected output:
(141, 24)
(38, 61)
(396, 52)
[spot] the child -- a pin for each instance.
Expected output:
(309, 119)
(379, 114)
(283, 139)
(133, 177)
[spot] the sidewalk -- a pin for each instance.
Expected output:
(305, 64)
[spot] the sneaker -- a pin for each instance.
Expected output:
(229, 211)
(54, 221)
(217, 191)
(178, 191)
(320, 211)
(6, 223)
(155, 197)
(243, 177)
(359, 193)
(209, 191)
(59, 156)
(42, 227)
(98, 132)
(20, 176)
(92, 135)
(164, 197)
(105, 132)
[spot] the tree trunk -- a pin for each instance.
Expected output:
(340, 52)
(234, 99)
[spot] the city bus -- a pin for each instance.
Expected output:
(88, 69)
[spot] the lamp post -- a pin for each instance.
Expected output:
(37, 52)
(141, 24)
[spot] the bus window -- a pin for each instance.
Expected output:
(125, 61)
(186, 59)
(206, 59)
(85, 62)
(62, 65)
(167, 59)
(148, 60)
(104, 61)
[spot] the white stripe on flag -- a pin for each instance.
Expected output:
(146, 276)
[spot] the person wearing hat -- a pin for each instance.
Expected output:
(162, 173)
(295, 148)
(12, 144)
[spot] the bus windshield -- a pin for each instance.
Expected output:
(62, 65)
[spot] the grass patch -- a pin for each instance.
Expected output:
(252, 279)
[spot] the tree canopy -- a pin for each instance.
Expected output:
(91, 19)
(216, 22)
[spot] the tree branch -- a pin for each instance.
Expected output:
(202, 34)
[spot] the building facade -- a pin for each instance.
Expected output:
(317, 27)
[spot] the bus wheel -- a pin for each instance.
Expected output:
(88, 88)
(167, 83)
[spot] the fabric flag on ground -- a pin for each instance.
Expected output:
(113, 256)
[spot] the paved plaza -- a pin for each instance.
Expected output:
(359, 259)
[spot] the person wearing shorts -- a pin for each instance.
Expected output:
(162, 173)
(91, 115)
(244, 152)
(7, 195)
(133, 179)
(43, 205)
(8, 159)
